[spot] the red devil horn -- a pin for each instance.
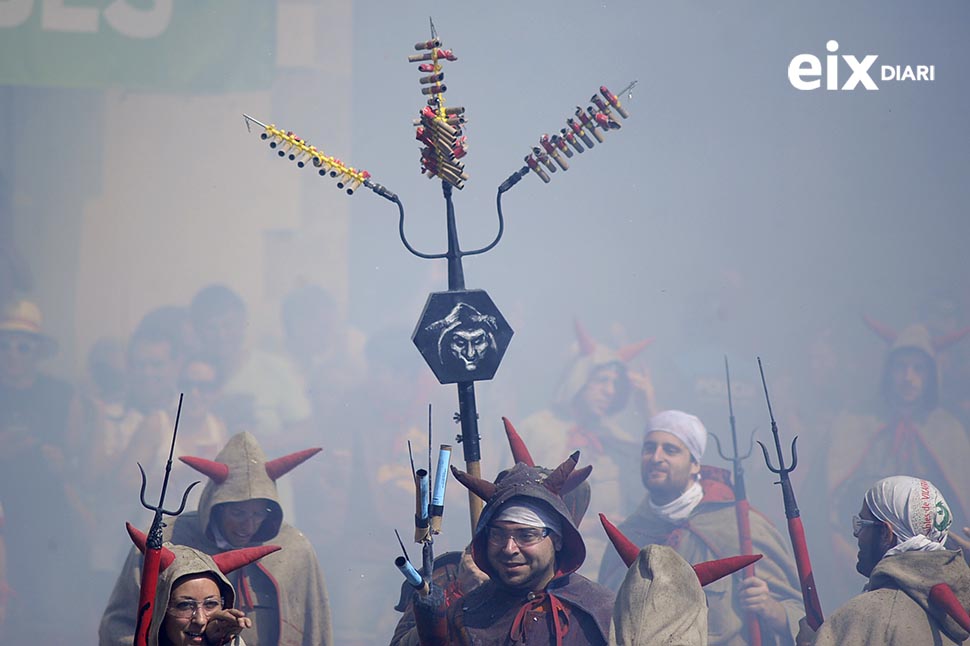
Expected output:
(557, 479)
(627, 352)
(235, 559)
(624, 546)
(576, 478)
(710, 571)
(942, 596)
(945, 341)
(215, 471)
(881, 329)
(520, 453)
(481, 488)
(283, 465)
(586, 342)
(140, 540)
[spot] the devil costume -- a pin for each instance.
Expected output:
(711, 532)
(612, 451)
(284, 594)
(570, 611)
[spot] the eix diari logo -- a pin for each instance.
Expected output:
(805, 71)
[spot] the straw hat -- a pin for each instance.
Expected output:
(24, 317)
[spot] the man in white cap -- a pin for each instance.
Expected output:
(918, 591)
(691, 508)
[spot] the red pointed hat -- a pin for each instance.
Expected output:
(707, 572)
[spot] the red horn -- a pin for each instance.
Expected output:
(627, 352)
(283, 465)
(557, 479)
(624, 546)
(215, 471)
(710, 571)
(945, 341)
(481, 488)
(586, 342)
(576, 478)
(520, 453)
(885, 332)
(942, 596)
(235, 559)
(140, 540)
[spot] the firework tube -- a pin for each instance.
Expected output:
(570, 138)
(560, 143)
(615, 102)
(434, 54)
(411, 575)
(438, 493)
(579, 132)
(589, 124)
(421, 524)
(543, 158)
(553, 152)
(428, 44)
(606, 121)
(431, 78)
(534, 165)
(435, 89)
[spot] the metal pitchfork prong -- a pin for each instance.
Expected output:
(782, 470)
(158, 509)
(736, 456)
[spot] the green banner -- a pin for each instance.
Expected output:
(168, 45)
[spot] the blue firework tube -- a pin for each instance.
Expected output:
(438, 493)
(411, 575)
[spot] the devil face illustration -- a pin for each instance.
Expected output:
(466, 337)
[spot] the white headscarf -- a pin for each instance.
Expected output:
(916, 511)
(685, 427)
(532, 513)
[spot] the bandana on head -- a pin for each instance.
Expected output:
(916, 511)
(686, 428)
(531, 513)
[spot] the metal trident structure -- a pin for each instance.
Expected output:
(796, 532)
(461, 334)
(742, 507)
(153, 545)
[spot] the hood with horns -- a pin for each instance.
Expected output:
(523, 481)
(241, 472)
(592, 356)
(179, 561)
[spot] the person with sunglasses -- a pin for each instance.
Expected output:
(901, 529)
(527, 542)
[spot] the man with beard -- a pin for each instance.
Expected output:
(528, 545)
(901, 530)
(691, 508)
(284, 595)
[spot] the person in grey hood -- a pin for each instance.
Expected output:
(284, 594)
(917, 590)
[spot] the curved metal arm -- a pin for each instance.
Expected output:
(158, 509)
(400, 228)
(501, 229)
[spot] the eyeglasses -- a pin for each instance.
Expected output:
(858, 523)
(522, 537)
(18, 346)
(188, 607)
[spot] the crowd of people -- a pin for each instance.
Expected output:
(539, 569)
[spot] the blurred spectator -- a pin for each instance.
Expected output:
(42, 509)
(261, 391)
